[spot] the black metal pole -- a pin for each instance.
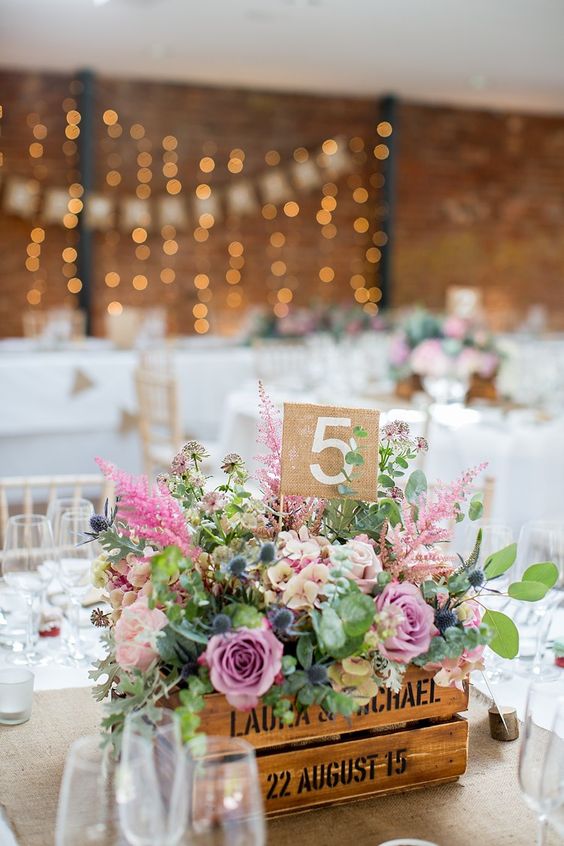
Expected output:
(85, 144)
(388, 114)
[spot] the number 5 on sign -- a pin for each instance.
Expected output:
(315, 442)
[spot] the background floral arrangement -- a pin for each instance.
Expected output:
(322, 603)
(435, 346)
(337, 321)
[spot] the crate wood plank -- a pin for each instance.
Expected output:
(419, 699)
(298, 779)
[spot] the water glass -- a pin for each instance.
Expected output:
(541, 540)
(28, 549)
(552, 785)
(540, 713)
(75, 559)
(16, 695)
(153, 783)
(227, 806)
(87, 811)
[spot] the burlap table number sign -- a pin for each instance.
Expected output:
(315, 442)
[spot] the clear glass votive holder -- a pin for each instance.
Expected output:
(407, 841)
(16, 695)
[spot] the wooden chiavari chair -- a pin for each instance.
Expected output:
(34, 494)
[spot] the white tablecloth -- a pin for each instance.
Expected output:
(524, 456)
(61, 409)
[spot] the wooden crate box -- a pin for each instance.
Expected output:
(398, 741)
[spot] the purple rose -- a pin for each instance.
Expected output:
(243, 664)
(415, 622)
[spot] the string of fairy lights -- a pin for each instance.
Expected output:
(280, 218)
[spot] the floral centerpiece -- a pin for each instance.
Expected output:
(339, 321)
(318, 602)
(432, 347)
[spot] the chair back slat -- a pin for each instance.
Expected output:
(34, 494)
(160, 429)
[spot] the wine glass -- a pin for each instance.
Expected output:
(541, 540)
(227, 807)
(28, 547)
(552, 783)
(63, 505)
(87, 811)
(542, 705)
(495, 536)
(153, 784)
(55, 511)
(75, 564)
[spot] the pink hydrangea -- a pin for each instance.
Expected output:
(429, 359)
(136, 635)
(300, 549)
(243, 664)
(455, 327)
(399, 351)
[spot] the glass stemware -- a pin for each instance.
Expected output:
(552, 783)
(153, 783)
(75, 559)
(28, 548)
(87, 811)
(542, 706)
(227, 807)
(63, 505)
(495, 536)
(539, 541)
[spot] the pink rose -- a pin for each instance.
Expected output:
(243, 664)
(358, 559)
(415, 627)
(136, 635)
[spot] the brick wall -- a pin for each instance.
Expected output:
(203, 122)
(480, 201)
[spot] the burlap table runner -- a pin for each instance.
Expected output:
(484, 808)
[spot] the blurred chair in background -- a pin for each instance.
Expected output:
(159, 413)
(34, 494)
(54, 325)
(136, 327)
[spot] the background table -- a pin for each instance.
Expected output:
(61, 409)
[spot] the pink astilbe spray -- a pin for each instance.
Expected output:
(270, 437)
(300, 511)
(151, 515)
(436, 513)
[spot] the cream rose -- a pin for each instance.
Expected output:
(359, 561)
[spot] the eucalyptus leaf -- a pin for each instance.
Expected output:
(416, 487)
(527, 591)
(547, 573)
(360, 432)
(476, 509)
(304, 651)
(385, 481)
(354, 458)
(505, 641)
(499, 562)
(357, 613)
(331, 631)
